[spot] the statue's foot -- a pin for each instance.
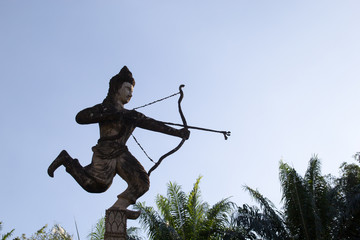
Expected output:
(60, 160)
(130, 214)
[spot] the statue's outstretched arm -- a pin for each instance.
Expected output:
(151, 124)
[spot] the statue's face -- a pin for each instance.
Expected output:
(124, 94)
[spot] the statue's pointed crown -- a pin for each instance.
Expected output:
(125, 76)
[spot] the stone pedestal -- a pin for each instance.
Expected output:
(115, 224)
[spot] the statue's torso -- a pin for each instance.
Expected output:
(120, 130)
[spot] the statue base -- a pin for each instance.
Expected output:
(115, 223)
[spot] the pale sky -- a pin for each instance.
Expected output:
(282, 76)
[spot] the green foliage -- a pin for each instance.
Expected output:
(6, 235)
(186, 216)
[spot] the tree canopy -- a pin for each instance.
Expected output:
(315, 207)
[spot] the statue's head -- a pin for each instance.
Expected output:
(116, 83)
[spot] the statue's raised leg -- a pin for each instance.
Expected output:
(78, 172)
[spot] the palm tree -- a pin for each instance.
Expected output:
(183, 216)
(305, 211)
(306, 201)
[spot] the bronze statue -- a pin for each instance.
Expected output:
(110, 155)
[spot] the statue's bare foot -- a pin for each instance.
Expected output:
(60, 160)
(122, 204)
(131, 214)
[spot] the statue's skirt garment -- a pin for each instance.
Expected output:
(111, 158)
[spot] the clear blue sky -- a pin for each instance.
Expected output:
(283, 76)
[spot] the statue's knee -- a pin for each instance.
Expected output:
(146, 188)
(96, 188)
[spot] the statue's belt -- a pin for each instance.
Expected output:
(109, 149)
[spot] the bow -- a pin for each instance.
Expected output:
(184, 125)
(182, 140)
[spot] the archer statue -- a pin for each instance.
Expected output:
(110, 155)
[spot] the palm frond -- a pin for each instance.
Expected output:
(164, 206)
(132, 233)
(217, 219)
(98, 231)
(319, 193)
(178, 202)
(270, 222)
(265, 204)
(195, 208)
(6, 235)
(296, 201)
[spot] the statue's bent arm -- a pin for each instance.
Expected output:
(96, 114)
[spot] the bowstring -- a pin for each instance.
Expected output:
(145, 105)
(159, 100)
(142, 148)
